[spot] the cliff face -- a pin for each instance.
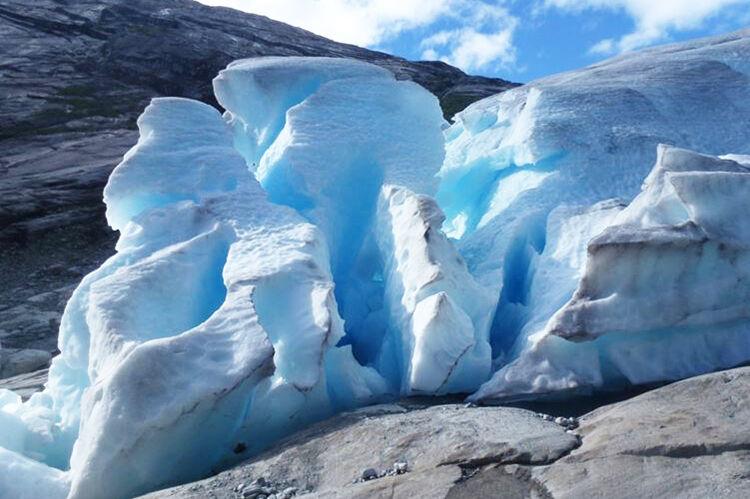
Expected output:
(74, 76)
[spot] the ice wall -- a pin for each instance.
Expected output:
(210, 333)
(216, 328)
(663, 293)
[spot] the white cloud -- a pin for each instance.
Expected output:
(361, 22)
(654, 19)
(603, 47)
(484, 40)
(470, 49)
(480, 34)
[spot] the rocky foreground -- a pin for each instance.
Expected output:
(690, 439)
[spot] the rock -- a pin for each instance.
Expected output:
(26, 384)
(256, 492)
(441, 444)
(21, 361)
(288, 492)
(400, 468)
(369, 474)
(690, 439)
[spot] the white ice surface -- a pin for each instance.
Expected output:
(217, 309)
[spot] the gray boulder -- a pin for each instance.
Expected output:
(25, 384)
(442, 446)
(690, 439)
(20, 361)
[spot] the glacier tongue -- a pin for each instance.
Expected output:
(217, 310)
(288, 260)
(216, 313)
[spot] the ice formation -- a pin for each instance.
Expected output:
(215, 329)
(326, 244)
(438, 316)
(527, 171)
(663, 293)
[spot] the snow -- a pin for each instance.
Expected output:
(24, 478)
(328, 243)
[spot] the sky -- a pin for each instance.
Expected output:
(519, 40)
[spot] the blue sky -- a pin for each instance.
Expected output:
(518, 40)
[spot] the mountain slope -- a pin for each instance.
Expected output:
(75, 74)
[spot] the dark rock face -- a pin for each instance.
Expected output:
(74, 76)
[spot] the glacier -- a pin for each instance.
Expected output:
(331, 242)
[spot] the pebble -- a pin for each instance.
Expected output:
(369, 474)
(288, 492)
(258, 491)
(398, 468)
(567, 423)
